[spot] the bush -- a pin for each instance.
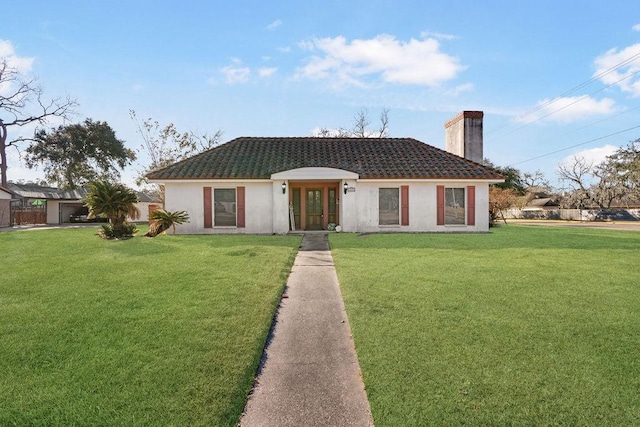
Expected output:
(108, 232)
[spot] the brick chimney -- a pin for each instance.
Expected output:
(463, 134)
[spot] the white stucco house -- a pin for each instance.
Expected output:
(271, 185)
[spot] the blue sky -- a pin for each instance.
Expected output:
(284, 68)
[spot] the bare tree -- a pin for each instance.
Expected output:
(383, 131)
(536, 180)
(166, 145)
(360, 127)
(361, 124)
(21, 104)
(616, 179)
(577, 173)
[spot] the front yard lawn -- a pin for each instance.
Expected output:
(522, 326)
(164, 331)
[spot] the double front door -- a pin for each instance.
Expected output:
(314, 208)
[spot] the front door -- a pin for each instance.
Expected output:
(314, 209)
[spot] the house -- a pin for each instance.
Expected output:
(5, 207)
(51, 205)
(274, 185)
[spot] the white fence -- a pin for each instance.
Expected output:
(576, 214)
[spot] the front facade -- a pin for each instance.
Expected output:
(274, 185)
(280, 205)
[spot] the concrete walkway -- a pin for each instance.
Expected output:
(310, 374)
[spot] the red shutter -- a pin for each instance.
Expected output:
(471, 205)
(440, 205)
(240, 206)
(404, 202)
(208, 217)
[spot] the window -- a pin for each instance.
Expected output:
(388, 206)
(224, 211)
(454, 207)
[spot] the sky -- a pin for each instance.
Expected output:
(554, 79)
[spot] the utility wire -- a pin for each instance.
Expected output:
(566, 106)
(575, 145)
(606, 119)
(570, 91)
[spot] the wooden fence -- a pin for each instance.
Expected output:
(29, 216)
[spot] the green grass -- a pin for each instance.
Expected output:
(164, 331)
(522, 326)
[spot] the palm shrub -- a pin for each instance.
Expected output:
(107, 231)
(116, 202)
(162, 220)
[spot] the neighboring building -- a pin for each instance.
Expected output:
(5, 207)
(64, 206)
(273, 185)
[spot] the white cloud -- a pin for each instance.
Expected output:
(636, 27)
(284, 49)
(569, 109)
(236, 73)
(437, 35)
(274, 25)
(460, 89)
(267, 71)
(592, 155)
(417, 62)
(21, 64)
(625, 76)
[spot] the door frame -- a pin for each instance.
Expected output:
(316, 185)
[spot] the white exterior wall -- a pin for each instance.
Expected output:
(53, 212)
(5, 208)
(349, 206)
(267, 208)
(422, 207)
(259, 211)
(280, 208)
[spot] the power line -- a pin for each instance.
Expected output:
(606, 119)
(575, 145)
(568, 92)
(581, 85)
(567, 106)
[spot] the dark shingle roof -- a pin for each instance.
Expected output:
(259, 158)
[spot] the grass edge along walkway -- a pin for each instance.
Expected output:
(165, 331)
(523, 326)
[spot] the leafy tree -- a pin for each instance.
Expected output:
(162, 220)
(513, 179)
(360, 127)
(166, 145)
(21, 104)
(76, 154)
(116, 202)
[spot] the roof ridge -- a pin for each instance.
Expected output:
(260, 157)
